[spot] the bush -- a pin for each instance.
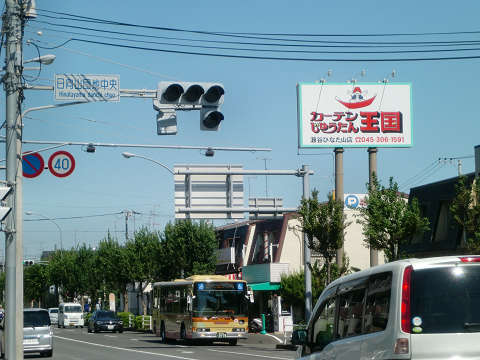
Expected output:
(139, 323)
(87, 317)
(124, 317)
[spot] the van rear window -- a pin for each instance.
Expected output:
(36, 319)
(446, 300)
(73, 309)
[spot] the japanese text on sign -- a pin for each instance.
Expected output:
(84, 87)
(366, 115)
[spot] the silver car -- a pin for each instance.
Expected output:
(53, 313)
(37, 333)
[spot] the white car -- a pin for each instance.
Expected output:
(408, 309)
(53, 313)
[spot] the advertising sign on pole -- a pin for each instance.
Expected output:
(354, 115)
(83, 87)
(61, 163)
(32, 165)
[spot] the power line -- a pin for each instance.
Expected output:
(75, 217)
(271, 57)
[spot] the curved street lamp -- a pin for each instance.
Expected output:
(47, 218)
(128, 155)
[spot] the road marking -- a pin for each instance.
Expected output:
(238, 353)
(280, 341)
(124, 349)
(112, 336)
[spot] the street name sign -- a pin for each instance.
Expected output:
(85, 87)
(61, 163)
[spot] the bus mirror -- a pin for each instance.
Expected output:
(250, 295)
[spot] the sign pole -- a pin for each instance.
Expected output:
(339, 193)
(306, 251)
(372, 170)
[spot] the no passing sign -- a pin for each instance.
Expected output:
(61, 163)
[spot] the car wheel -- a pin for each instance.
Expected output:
(232, 342)
(120, 331)
(48, 353)
(163, 334)
(89, 330)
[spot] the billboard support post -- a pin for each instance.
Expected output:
(372, 171)
(339, 194)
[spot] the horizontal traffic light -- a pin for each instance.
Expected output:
(190, 93)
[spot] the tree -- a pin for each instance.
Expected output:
(324, 224)
(389, 221)
(35, 283)
(465, 209)
(187, 248)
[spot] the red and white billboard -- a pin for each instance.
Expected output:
(354, 115)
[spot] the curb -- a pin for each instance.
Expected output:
(287, 347)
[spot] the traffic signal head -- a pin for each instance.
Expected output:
(210, 118)
(28, 262)
(190, 93)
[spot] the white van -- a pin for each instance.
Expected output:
(70, 314)
(408, 309)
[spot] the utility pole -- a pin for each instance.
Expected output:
(128, 213)
(372, 170)
(13, 29)
(266, 177)
(339, 193)
(306, 251)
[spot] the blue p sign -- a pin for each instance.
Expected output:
(351, 201)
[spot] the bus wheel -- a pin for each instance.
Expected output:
(163, 335)
(232, 342)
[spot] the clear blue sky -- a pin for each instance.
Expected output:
(260, 105)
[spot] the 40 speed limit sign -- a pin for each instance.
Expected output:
(61, 163)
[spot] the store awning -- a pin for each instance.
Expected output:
(264, 286)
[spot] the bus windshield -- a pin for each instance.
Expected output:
(220, 299)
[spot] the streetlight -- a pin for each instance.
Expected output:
(128, 155)
(44, 59)
(47, 218)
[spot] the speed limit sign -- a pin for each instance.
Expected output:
(61, 163)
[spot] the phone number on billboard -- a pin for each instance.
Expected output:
(379, 139)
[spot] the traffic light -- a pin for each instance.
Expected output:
(28, 262)
(4, 211)
(175, 95)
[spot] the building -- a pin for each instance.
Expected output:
(261, 251)
(445, 235)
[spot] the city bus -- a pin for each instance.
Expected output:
(201, 308)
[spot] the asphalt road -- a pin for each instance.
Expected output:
(78, 344)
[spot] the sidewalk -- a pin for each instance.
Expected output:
(269, 340)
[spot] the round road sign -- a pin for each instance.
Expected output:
(32, 165)
(61, 163)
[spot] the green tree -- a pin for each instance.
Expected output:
(465, 209)
(35, 283)
(324, 224)
(389, 221)
(187, 247)
(61, 272)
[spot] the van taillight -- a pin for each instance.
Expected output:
(470, 259)
(406, 286)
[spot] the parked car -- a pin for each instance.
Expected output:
(70, 314)
(37, 333)
(104, 320)
(53, 313)
(407, 309)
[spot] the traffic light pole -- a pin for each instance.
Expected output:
(13, 324)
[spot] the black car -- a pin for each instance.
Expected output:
(104, 320)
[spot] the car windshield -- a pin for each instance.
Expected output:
(106, 315)
(36, 319)
(446, 300)
(53, 311)
(73, 309)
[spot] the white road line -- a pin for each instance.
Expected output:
(124, 349)
(280, 341)
(238, 353)
(111, 336)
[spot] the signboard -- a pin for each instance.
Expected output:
(208, 191)
(354, 115)
(32, 165)
(265, 203)
(354, 201)
(82, 87)
(61, 163)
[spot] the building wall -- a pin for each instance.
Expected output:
(292, 249)
(354, 245)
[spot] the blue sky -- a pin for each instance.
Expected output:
(260, 106)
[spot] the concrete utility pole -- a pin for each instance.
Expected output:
(306, 251)
(13, 223)
(372, 169)
(477, 160)
(339, 192)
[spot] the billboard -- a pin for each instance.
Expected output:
(354, 115)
